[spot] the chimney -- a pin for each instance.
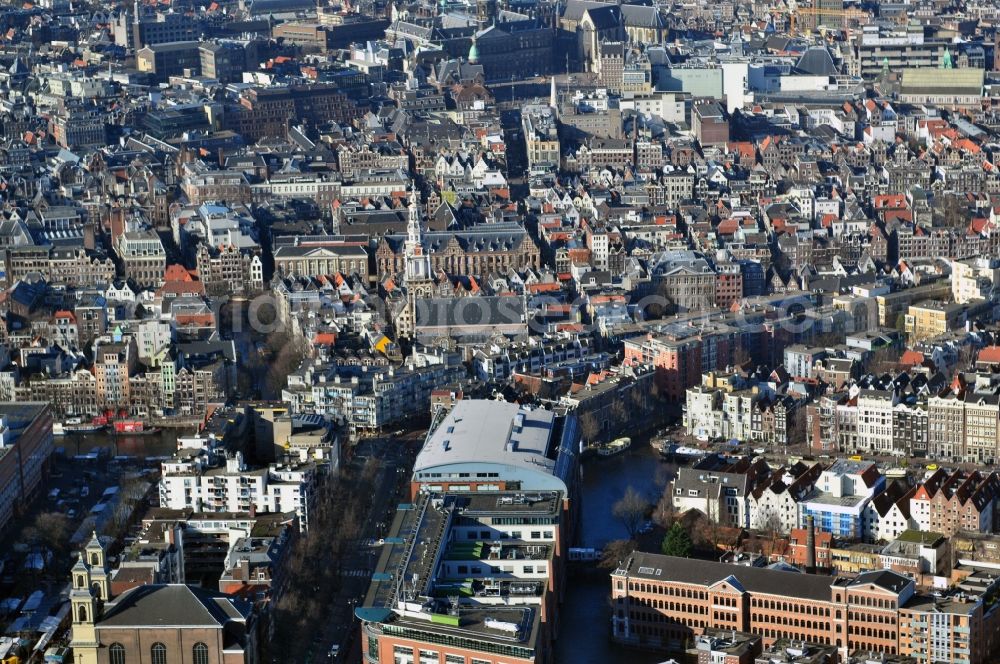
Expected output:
(810, 545)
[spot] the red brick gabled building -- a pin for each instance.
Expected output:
(965, 502)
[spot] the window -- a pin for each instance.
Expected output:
(116, 654)
(158, 654)
(199, 654)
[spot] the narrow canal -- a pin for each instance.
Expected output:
(585, 616)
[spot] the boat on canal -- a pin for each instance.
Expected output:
(616, 446)
(133, 428)
(77, 425)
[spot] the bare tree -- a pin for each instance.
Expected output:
(884, 360)
(954, 213)
(288, 353)
(132, 490)
(630, 510)
(771, 527)
(619, 414)
(615, 553)
(664, 513)
(316, 562)
(590, 428)
(708, 533)
(967, 355)
(797, 426)
(53, 531)
(741, 356)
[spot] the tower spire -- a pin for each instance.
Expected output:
(413, 219)
(418, 265)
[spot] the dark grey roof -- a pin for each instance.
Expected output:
(459, 70)
(173, 605)
(350, 251)
(641, 16)
(202, 350)
(605, 17)
(485, 238)
(753, 579)
(883, 578)
(634, 15)
(817, 61)
(458, 312)
(884, 501)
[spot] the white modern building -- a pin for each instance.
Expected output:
(196, 480)
(485, 445)
(875, 414)
(838, 501)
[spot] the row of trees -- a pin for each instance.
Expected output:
(316, 562)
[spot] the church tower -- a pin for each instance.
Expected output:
(418, 264)
(83, 605)
(97, 562)
(486, 12)
(417, 276)
(90, 589)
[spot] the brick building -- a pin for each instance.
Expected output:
(25, 446)
(266, 112)
(162, 624)
(681, 354)
(481, 250)
(661, 602)
(709, 124)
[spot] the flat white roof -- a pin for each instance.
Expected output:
(490, 432)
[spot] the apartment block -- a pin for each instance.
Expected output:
(201, 481)
(467, 578)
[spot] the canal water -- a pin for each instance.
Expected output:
(585, 616)
(159, 444)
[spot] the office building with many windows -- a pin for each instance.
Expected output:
(662, 602)
(467, 579)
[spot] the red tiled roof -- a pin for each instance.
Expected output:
(989, 355)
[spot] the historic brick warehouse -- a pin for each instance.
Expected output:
(662, 602)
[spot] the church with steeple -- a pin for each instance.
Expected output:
(418, 277)
(90, 590)
(157, 623)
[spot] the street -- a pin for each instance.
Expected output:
(391, 485)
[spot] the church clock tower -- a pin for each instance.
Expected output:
(417, 276)
(90, 589)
